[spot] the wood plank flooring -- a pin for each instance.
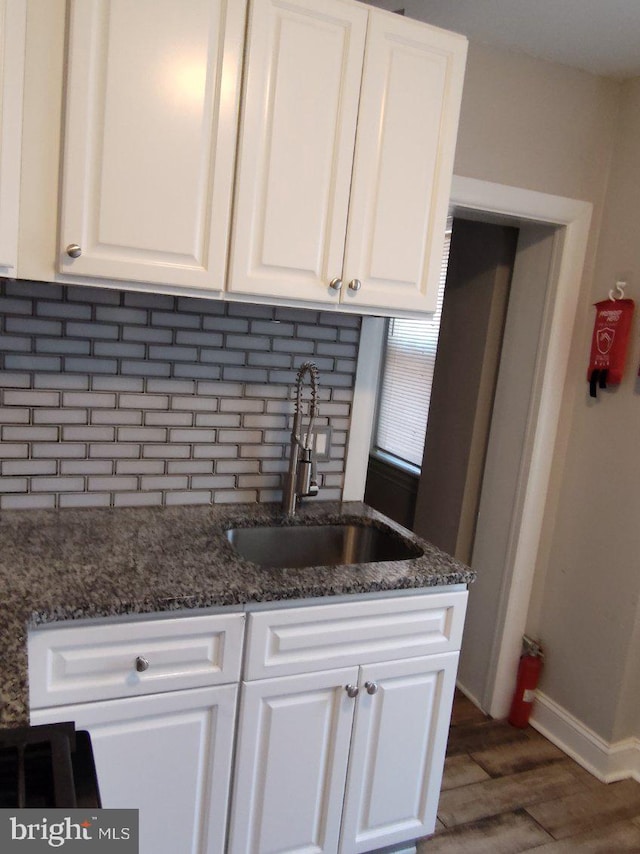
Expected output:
(507, 790)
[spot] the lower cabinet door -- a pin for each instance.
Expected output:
(168, 755)
(398, 750)
(292, 761)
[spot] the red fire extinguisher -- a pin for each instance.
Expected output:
(529, 671)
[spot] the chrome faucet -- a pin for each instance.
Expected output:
(301, 480)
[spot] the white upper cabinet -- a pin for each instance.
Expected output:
(346, 155)
(303, 74)
(12, 53)
(407, 127)
(150, 135)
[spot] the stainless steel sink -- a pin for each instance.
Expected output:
(319, 545)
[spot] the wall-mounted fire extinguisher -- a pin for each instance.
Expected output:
(610, 340)
(529, 670)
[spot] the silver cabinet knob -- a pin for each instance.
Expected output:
(372, 687)
(74, 251)
(141, 664)
(335, 284)
(355, 285)
(352, 690)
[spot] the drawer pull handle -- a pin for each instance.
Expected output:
(372, 687)
(352, 690)
(73, 250)
(141, 664)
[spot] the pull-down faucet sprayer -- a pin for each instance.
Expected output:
(301, 478)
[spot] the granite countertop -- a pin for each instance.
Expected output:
(73, 564)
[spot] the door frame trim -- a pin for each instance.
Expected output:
(572, 219)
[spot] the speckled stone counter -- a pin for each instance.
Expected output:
(72, 564)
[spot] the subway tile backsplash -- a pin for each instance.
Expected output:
(111, 398)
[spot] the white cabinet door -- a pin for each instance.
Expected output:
(291, 764)
(407, 127)
(12, 47)
(150, 135)
(168, 755)
(300, 171)
(397, 752)
(304, 67)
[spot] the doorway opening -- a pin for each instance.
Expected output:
(565, 223)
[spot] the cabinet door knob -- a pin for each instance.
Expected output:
(352, 690)
(74, 251)
(372, 687)
(355, 285)
(141, 664)
(335, 284)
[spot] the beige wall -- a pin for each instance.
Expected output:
(546, 127)
(589, 604)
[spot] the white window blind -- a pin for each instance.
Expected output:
(407, 377)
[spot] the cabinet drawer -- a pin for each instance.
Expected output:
(299, 640)
(77, 664)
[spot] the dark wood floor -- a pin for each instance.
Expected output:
(507, 790)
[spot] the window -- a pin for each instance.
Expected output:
(407, 376)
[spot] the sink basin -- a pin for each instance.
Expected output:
(319, 545)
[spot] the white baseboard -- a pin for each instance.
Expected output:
(607, 762)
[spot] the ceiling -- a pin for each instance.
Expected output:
(599, 36)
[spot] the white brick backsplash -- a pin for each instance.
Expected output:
(261, 452)
(215, 419)
(137, 499)
(110, 398)
(192, 435)
(14, 484)
(263, 481)
(58, 450)
(170, 419)
(14, 416)
(88, 434)
(86, 467)
(238, 466)
(110, 484)
(190, 467)
(173, 387)
(241, 406)
(27, 502)
(88, 399)
(113, 450)
(214, 452)
(10, 380)
(28, 467)
(140, 466)
(57, 484)
(144, 401)
(60, 416)
(85, 499)
(116, 416)
(190, 497)
(30, 434)
(210, 404)
(60, 381)
(117, 384)
(239, 436)
(235, 496)
(164, 482)
(196, 372)
(168, 452)
(142, 434)
(33, 363)
(213, 481)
